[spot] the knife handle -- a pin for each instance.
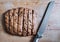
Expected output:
(37, 38)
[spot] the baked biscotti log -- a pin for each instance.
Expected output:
(21, 21)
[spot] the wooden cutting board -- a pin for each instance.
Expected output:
(5, 5)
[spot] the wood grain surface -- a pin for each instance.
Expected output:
(52, 32)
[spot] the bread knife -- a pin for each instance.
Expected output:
(44, 21)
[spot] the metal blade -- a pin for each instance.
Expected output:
(44, 20)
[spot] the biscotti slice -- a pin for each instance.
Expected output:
(15, 19)
(30, 22)
(7, 21)
(20, 21)
(11, 21)
(25, 15)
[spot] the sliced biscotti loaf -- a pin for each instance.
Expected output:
(21, 21)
